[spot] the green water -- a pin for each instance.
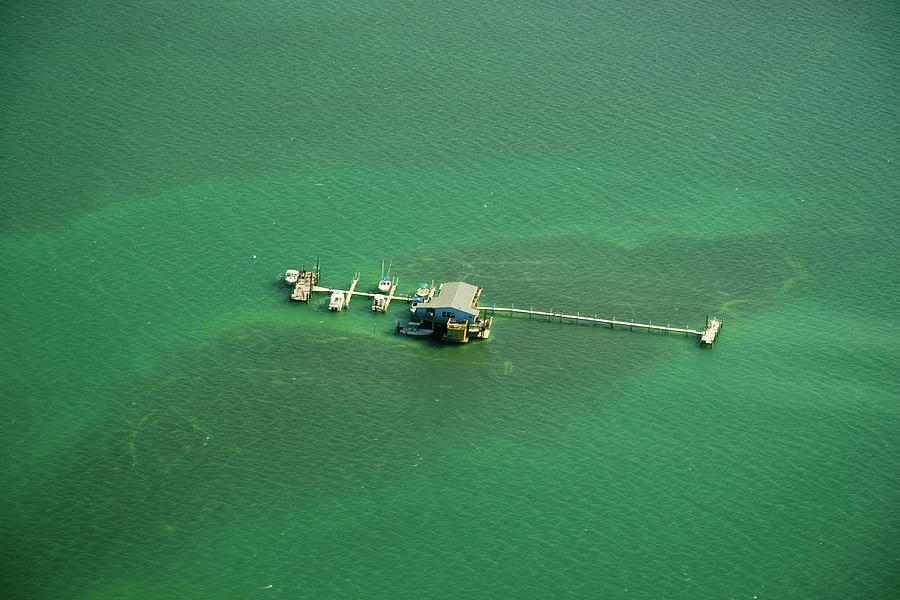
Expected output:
(175, 428)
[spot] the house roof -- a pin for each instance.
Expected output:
(454, 294)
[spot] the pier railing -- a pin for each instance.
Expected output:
(578, 318)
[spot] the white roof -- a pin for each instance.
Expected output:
(455, 294)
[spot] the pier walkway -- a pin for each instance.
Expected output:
(349, 293)
(578, 317)
(319, 288)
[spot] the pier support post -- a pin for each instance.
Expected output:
(512, 312)
(531, 313)
(613, 324)
(650, 329)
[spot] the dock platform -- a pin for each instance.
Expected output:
(306, 284)
(709, 335)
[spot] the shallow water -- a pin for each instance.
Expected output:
(176, 428)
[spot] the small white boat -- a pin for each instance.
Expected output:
(337, 301)
(291, 276)
(380, 302)
(423, 290)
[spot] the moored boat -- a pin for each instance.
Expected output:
(384, 284)
(337, 301)
(414, 328)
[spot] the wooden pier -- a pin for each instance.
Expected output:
(307, 284)
(403, 298)
(578, 317)
(349, 293)
(709, 335)
(340, 299)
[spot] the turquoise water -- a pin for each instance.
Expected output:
(174, 427)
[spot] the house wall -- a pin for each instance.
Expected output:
(441, 315)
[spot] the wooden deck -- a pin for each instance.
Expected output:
(305, 285)
(708, 335)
